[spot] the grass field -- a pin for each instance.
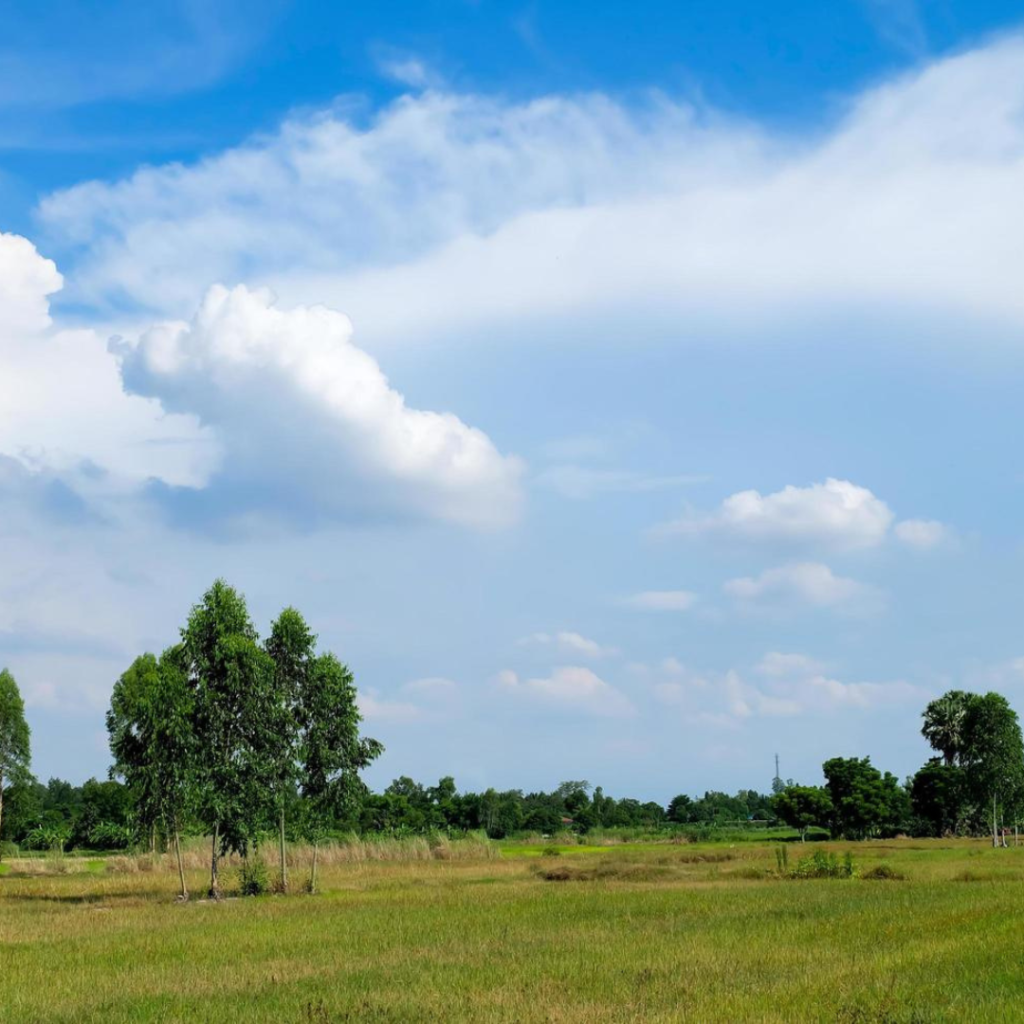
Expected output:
(644, 933)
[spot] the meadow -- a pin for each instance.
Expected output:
(481, 932)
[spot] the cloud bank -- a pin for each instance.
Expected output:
(476, 210)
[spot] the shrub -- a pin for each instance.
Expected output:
(822, 864)
(551, 851)
(253, 879)
(883, 873)
(782, 859)
(8, 850)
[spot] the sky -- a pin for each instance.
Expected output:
(626, 392)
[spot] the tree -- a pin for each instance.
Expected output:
(680, 809)
(331, 751)
(14, 737)
(940, 799)
(152, 740)
(993, 755)
(291, 646)
(231, 682)
(802, 807)
(946, 723)
(864, 801)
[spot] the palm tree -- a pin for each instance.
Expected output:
(945, 723)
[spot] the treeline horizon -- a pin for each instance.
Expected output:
(247, 742)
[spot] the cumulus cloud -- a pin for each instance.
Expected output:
(662, 600)
(921, 533)
(306, 417)
(64, 416)
(572, 688)
(807, 583)
(475, 210)
(568, 642)
(835, 513)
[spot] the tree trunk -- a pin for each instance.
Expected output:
(215, 853)
(152, 837)
(181, 867)
(1, 803)
(995, 834)
(284, 860)
(312, 877)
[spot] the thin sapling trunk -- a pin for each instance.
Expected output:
(284, 859)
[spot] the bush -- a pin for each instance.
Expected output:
(883, 873)
(8, 850)
(551, 851)
(252, 877)
(822, 864)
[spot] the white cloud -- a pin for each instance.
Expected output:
(792, 685)
(476, 211)
(800, 681)
(568, 643)
(376, 708)
(572, 688)
(835, 513)
(810, 583)
(303, 414)
(921, 533)
(775, 663)
(662, 600)
(62, 406)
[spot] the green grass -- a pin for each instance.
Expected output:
(647, 933)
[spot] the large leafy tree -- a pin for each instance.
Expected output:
(331, 751)
(291, 645)
(151, 738)
(14, 737)
(994, 756)
(945, 724)
(231, 681)
(865, 802)
(982, 766)
(803, 807)
(940, 800)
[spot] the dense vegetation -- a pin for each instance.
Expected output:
(241, 741)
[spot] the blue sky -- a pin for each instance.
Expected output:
(627, 392)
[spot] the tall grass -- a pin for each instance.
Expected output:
(650, 933)
(350, 849)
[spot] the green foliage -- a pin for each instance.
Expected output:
(53, 838)
(945, 724)
(253, 879)
(110, 836)
(824, 864)
(782, 859)
(802, 807)
(940, 800)
(8, 850)
(981, 773)
(14, 737)
(865, 803)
